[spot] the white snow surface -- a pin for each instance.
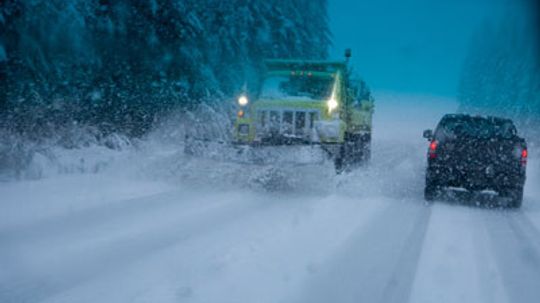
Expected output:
(154, 225)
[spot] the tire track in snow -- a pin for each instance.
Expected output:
(69, 234)
(79, 268)
(85, 223)
(515, 244)
(378, 263)
(488, 277)
(114, 210)
(399, 287)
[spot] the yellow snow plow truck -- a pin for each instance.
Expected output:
(302, 102)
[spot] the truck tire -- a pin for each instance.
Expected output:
(340, 159)
(366, 148)
(355, 151)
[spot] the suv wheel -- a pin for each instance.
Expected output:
(431, 191)
(515, 195)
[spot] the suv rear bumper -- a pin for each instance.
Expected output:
(479, 179)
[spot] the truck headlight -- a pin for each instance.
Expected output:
(332, 104)
(243, 100)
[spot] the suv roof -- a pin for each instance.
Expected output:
(463, 125)
(492, 119)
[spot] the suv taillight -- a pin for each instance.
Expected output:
(524, 156)
(433, 149)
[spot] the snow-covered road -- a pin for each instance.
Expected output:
(189, 235)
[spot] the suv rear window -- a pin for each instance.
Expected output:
(475, 127)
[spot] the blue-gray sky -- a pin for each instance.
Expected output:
(414, 46)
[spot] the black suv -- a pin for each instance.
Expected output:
(476, 153)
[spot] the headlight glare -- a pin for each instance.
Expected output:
(332, 104)
(243, 100)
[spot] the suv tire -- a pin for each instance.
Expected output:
(431, 191)
(515, 195)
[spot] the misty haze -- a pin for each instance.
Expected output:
(269, 151)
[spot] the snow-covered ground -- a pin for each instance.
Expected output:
(152, 225)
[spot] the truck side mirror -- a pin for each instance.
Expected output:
(367, 105)
(348, 53)
(428, 134)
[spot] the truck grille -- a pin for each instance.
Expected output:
(286, 122)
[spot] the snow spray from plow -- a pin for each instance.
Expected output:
(267, 168)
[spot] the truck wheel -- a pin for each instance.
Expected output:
(515, 195)
(339, 160)
(366, 148)
(355, 151)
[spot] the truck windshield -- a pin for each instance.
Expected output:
(475, 127)
(297, 87)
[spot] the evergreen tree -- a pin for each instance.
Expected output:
(501, 73)
(120, 63)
